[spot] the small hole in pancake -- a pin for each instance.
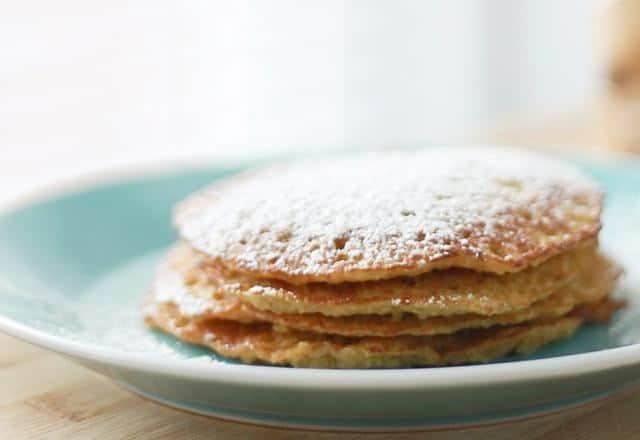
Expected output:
(284, 236)
(340, 242)
(420, 236)
(496, 248)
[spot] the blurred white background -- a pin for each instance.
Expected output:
(86, 84)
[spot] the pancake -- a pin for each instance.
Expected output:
(441, 293)
(384, 215)
(440, 257)
(591, 284)
(261, 342)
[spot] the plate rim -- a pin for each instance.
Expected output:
(425, 427)
(342, 379)
(305, 378)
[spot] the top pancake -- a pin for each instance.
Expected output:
(384, 215)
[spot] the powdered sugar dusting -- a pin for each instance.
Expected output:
(169, 288)
(393, 210)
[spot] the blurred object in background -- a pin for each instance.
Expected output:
(573, 131)
(86, 86)
(92, 81)
(621, 109)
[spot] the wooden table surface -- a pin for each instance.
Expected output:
(43, 395)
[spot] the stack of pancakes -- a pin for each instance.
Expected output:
(447, 256)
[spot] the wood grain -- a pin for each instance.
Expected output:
(43, 395)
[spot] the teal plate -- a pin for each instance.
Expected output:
(75, 265)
